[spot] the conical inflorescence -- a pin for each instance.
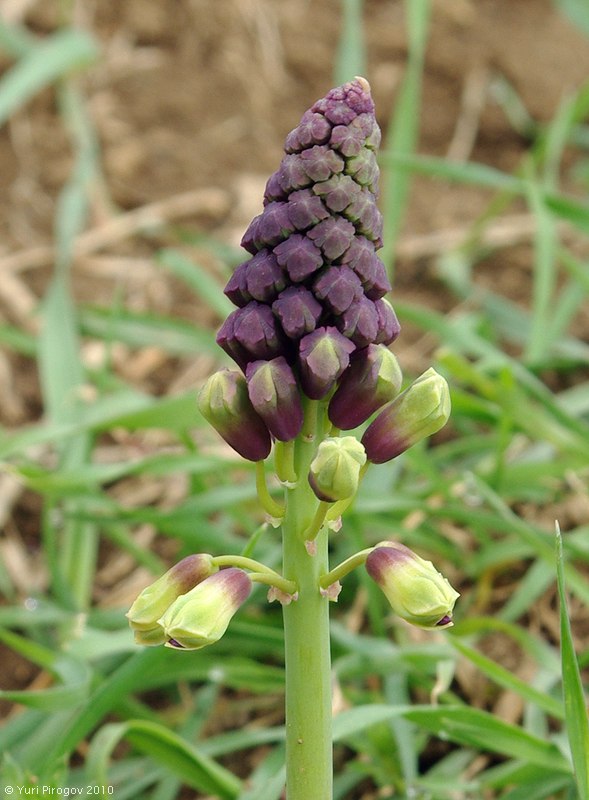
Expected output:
(313, 290)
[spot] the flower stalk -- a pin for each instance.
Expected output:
(310, 335)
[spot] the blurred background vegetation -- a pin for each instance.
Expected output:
(136, 139)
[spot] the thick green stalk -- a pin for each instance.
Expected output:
(309, 761)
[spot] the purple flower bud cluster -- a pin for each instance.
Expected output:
(312, 292)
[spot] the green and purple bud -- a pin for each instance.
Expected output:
(323, 357)
(201, 616)
(334, 473)
(274, 394)
(420, 411)
(372, 380)
(156, 598)
(224, 402)
(416, 591)
(313, 248)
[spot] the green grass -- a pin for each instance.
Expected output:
(480, 502)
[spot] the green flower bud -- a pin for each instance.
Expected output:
(224, 403)
(156, 598)
(417, 592)
(201, 616)
(335, 470)
(420, 411)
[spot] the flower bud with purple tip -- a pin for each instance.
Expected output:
(224, 402)
(372, 379)
(201, 616)
(273, 391)
(416, 591)
(420, 411)
(156, 598)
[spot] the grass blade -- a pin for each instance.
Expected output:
(163, 745)
(351, 55)
(574, 699)
(59, 54)
(198, 279)
(403, 130)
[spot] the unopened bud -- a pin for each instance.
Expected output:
(224, 403)
(420, 411)
(323, 356)
(416, 591)
(201, 616)
(273, 391)
(372, 379)
(335, 471)
(156, 598)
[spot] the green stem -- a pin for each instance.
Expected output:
(284, 461)
(309, 762)
(318, 520)
(260, 572)
(266, 500)
(344, 568)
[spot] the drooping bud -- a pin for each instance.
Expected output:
(416, 591)
(201, 616)
(420, 411)
(250, 333)
(372, 379)
(335, 471)
(224, 402)
(323, 356)
(156, 598)
(298, 311)
(273, 391)
(388, 324)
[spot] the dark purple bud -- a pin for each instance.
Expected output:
(292, 173)
(323, 357)
(265, 278)
(364, 212)
(374, 137)
(338, 192)
(338, 287)
(248, 240)
(250, 333)
(320, 162)
(333, 236)
(298, 311)
(273, 190)
(359, 322)
(227, 339)
(306, 209)
(312, 129)
(361, 257)
(273, 225)
(388, 324)
(224, 403)
(273, 391)
(299, 256)
(336, 111)
(342, 104)
(363, 168)
(367, 124)
(348, 139)
(372, 379)
(236, 289)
